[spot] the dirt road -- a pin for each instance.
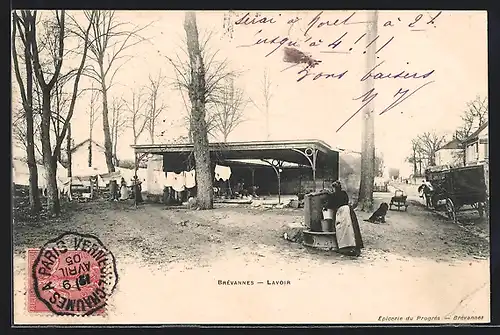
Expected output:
(170, 262)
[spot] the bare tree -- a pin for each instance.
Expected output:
(60, 103)
(229, 110)
(187, 119)
(93, 112)
(473, 117)
(365, 199)
(216, 72)
(19, 132)
(155, 107)
(112, 39)
(264, 107)
(57, 50)
(428, 144)
(26, 29)
(136, 109)
(118, 122)
(413, 156)
(201, 78)
(200, 85)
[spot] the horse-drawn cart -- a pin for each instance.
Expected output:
(459, 187)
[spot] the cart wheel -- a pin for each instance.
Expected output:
(450, 210)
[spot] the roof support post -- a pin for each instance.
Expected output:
(253, 176)
(138, 157)
(311, 155)
(277, 166)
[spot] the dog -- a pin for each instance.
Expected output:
(379, 215)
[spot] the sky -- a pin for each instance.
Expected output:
(453, 46)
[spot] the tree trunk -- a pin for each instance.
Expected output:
(58, 114)
(267, 122)
(34, 193)
(68, 149)
(414, 163)
(198, 122)
(365, 200)
(90, 147)
(115, 143)
(152, 126)
(49, 161)
(90, 153)
(108, 148)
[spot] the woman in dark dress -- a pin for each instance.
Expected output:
(137, 190)
(346, 223)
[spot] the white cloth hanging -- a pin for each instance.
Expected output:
(190, 179)
(222, 172)
(170, 179)
(157, 183)
(179, 183)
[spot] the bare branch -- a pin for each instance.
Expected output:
(155, 107)
(78, 74)
(137, 114)
(229, 110)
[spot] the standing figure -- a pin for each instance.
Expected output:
(426, 191)
(137, 190)
(123, 190)
(346, 223)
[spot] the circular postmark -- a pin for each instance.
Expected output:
(74, 274)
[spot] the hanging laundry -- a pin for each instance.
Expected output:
(163, 179)
(191, 179)
(179, 184)
(170, 179)
(157, 182)
(222, 172)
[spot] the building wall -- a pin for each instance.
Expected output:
(478, 151)
(448, 157)
(80, 157)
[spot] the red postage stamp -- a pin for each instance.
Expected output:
(73, 274)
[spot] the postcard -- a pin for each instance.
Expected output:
(250, 167)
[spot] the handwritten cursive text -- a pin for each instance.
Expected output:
(316, 23)
(248, 19)
(279, 40)
(398, 74)
(306, 72)
(366, 98)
